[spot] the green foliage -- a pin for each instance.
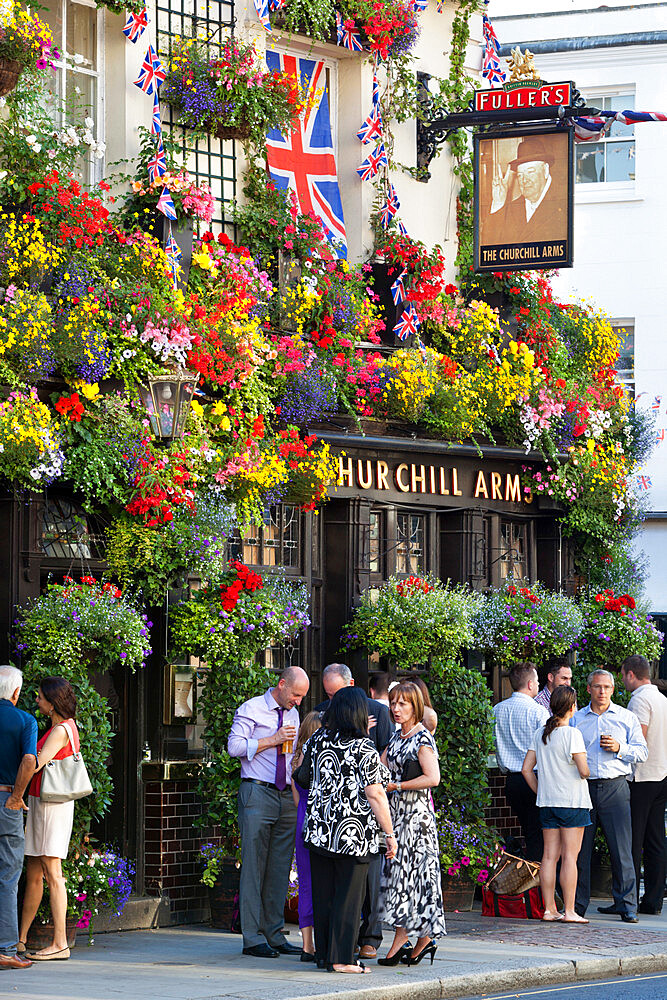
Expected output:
(412, 620)
(227, 628)
(464, 737)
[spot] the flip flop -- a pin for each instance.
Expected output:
(555, 920)
(360, 970)
(55, 956)
(581, 920)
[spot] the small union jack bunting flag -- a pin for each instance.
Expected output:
(390, 207)
(398, 289)
(376, 89)
(372, 127)
(655, 405)
(262, 8)
(157, 165)
(151, 73)
(660, 435)
(135, 25)
(401, 228)
(347, 34)
(173, 253)
(439, 4)
(407, 324)
(420, 4)
(166, 205)
(276, 4)
(644, 482)
(370, 167)
(156, 123)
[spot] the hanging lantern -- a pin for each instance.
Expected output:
(167, 399)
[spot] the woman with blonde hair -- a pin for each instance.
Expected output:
(310, 725)
(49, 824)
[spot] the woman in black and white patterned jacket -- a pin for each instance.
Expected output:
(347, 816)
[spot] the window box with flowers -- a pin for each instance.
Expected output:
(228, 94)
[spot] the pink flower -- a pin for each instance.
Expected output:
(453, 870)
(465, 861)
(483, 875)
(80, 898)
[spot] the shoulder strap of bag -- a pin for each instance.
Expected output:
(75, 744)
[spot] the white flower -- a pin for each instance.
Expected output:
(3, 101)
(88, 138)
(99, 154)
(78, 59)
(31, 139)
(37, 147)
(88, 122)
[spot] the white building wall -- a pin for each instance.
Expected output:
(619, 229)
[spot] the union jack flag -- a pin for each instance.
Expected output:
(398, 289)
(173, 254)
(660, 435)
(135, 25)
(347, 34)
(276, 4)
(593, 129)
(407, 324)
(491, 68)
(644, 482)
(166, 205)
(655, 405)
(489, 33)
(157, 165)
(372, 127)
(156, 123)
(370, 167)
(439, 4)
(376, 89)
(420, 4)
(262, 8)
(304, 159)
(401, 228)
(390, 207)
(151, 73)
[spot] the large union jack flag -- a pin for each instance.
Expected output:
(304, 159)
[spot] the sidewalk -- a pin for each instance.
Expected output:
(479, 955)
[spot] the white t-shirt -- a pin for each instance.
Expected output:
(650, 707)
(558, 780)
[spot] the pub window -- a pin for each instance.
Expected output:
(376, 542)
(410, 536)
(513, 551)
(289, 654)
(64, 533)
(625, 365)
(277, 542)
(613, 157)
(78, 32)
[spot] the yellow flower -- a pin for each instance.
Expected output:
(197, 408)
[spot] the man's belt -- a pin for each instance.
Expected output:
(264, 784)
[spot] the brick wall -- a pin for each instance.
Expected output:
(499, 813)
(172, 847)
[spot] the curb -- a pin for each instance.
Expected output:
(563, 971)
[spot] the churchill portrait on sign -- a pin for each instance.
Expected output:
(523, 201)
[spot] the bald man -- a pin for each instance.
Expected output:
(262, 728)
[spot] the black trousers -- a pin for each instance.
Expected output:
(611, 809)
(370, 931)
(647, 805)
(522, 800)
(339, 885)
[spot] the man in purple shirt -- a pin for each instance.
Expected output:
(263, 735)
(558, 676)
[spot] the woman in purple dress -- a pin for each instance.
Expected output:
(306, 729)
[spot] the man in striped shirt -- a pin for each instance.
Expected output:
(517, 719)
(557, 677)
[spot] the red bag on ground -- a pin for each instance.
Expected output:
(529, 905)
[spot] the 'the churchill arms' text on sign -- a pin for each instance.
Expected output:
(435, 480)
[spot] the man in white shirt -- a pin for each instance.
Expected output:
(648, 791)
(517, 719)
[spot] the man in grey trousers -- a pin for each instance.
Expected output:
(614, 743)
(263, 734)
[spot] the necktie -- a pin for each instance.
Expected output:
(281, 764)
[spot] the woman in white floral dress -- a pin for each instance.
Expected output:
(411, 889)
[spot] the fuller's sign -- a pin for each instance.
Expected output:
(548, 95)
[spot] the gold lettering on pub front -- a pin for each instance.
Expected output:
(513, 488)
(345, 471)
(414, 479)
(480, 486)
(496, 486)
(366, 482)
(382, 470)
(400, 469)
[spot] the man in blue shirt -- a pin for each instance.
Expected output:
(18, 760)
(614, 743)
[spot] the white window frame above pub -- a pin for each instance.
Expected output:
(622, 134)
(60, 11)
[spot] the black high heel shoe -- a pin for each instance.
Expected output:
(399, 956)
(430, 949)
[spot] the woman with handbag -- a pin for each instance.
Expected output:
(412, 891)
(347, 811)
(49, 824)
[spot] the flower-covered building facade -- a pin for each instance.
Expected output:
(251, 382)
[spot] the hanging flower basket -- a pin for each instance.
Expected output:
(10, 71)
(240, 131)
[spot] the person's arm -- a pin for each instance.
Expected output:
(634, 750)
(429, 778)
(55, 741)
(23, 778)
(581, 760)
(528, 772)
(377, 800)
(241, 742)
(385, 728)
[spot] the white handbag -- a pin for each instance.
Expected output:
(67, 779)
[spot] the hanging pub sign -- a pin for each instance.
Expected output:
(523, 202)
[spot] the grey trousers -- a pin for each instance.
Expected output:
(370, 931)
(11, 863)
(267, 821)
(611, 809)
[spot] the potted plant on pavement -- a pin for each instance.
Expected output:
(468, 854)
